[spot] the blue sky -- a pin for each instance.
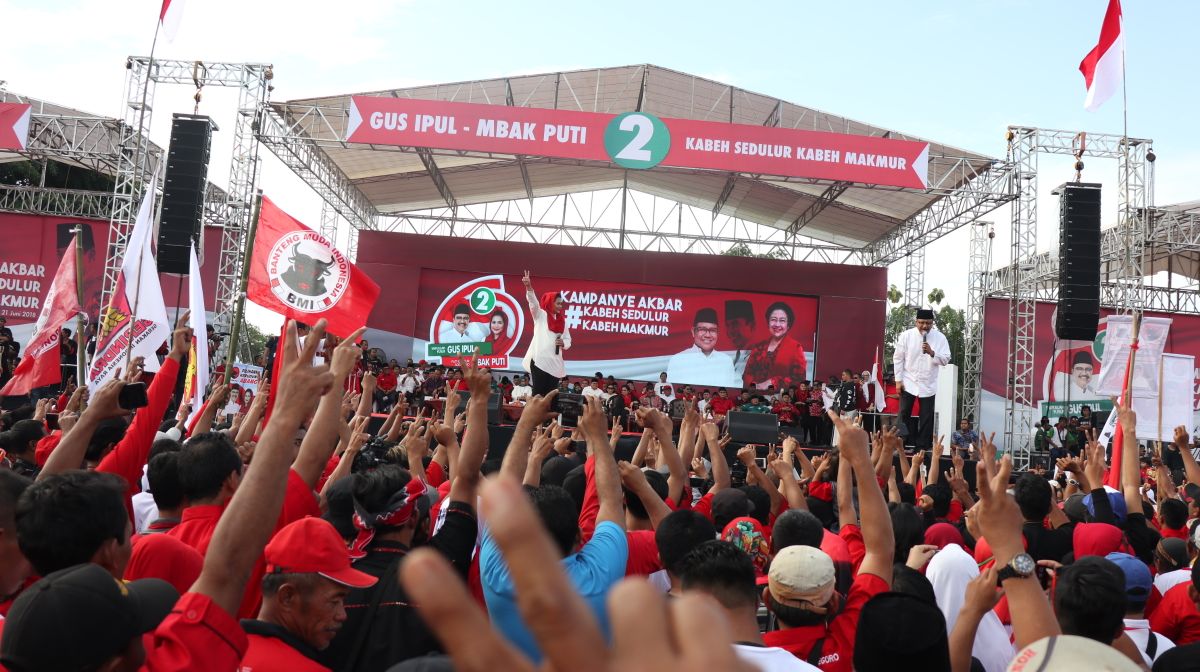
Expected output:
(954, 72)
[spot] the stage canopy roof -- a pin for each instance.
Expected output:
(404, 179)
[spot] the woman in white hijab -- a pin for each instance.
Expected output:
(950, 571)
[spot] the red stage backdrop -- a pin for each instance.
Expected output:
(630, 313)
(32, 247)
(1065, 374)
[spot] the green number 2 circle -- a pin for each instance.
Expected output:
(483, 300)
(637, 140)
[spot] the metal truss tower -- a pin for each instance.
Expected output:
(232, 209)
(914, 277)
(980, 263)
(1018, 416)
(1025, 280)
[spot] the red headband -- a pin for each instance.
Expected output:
(399, 510)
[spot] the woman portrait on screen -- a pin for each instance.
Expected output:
(780, 359)
(544, 360)
(498, 333)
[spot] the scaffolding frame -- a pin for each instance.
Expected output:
(618, 218)
(133, 167)
(982, 235)
(1029, 275)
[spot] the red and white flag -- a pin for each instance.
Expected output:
(136, 310)
(1104, 67)
(41, 365)
(169, 16)
(197, 372)
(296, 272)
(876, 385)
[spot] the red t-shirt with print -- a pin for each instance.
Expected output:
(837, 651)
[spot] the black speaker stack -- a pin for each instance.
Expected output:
(182, 220)
(1078, 261)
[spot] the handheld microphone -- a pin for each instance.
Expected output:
(557, 347)
(924, 338)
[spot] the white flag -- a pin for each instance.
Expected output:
(197, 373)
(136, 310)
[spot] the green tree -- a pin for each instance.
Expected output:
(935, 296)
(743, 250)
(893, 294)
(58, 176)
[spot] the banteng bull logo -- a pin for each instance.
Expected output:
(306, 272)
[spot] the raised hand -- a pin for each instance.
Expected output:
(538, 408)
(920, 555)
(478, 382)
(746, 455)
(999, 517)
(631, 476)
(133, 372)
(181, 337)
(306, 384)
(982, 595)
(105, 402)
(525, 280)
(346, 355)
(648, 633)
(592, 422)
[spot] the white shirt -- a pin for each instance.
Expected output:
(917, 371)
(144, 511)
(738, 357)
(596, 392)
(520, 392)
(1166, 581)
(694, 367)
(541, 347)
(408, 383)
(448, 334)
(661, 388)
(771, 659)
(1139, 631)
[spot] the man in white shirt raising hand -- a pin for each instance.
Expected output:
(920, 353)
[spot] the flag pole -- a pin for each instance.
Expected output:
(1129, 237)
(80, 341)
(235, 331)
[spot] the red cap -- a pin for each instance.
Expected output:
(313, 546)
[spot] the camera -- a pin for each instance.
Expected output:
(569, 407)
(375, 453)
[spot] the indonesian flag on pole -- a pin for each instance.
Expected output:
(197, 371)
(169, 16)
(876, 385)
(296, 272)
(41, 365)
(1104, 67)
(136, 310)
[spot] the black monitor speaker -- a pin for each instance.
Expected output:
(183, 191)
(753, 427)
(1078, 314)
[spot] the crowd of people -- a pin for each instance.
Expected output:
(301, 536)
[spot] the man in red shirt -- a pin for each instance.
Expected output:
(209, 472)
(385, 388)
(722, 404)
(106, 618)
(308, 577)
(816, 623)
(1177, 616)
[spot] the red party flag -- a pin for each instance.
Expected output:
(41, 365)
(296, 272)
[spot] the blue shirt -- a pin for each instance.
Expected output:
(594, 570)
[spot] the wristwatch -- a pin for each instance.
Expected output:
(1021, 566)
